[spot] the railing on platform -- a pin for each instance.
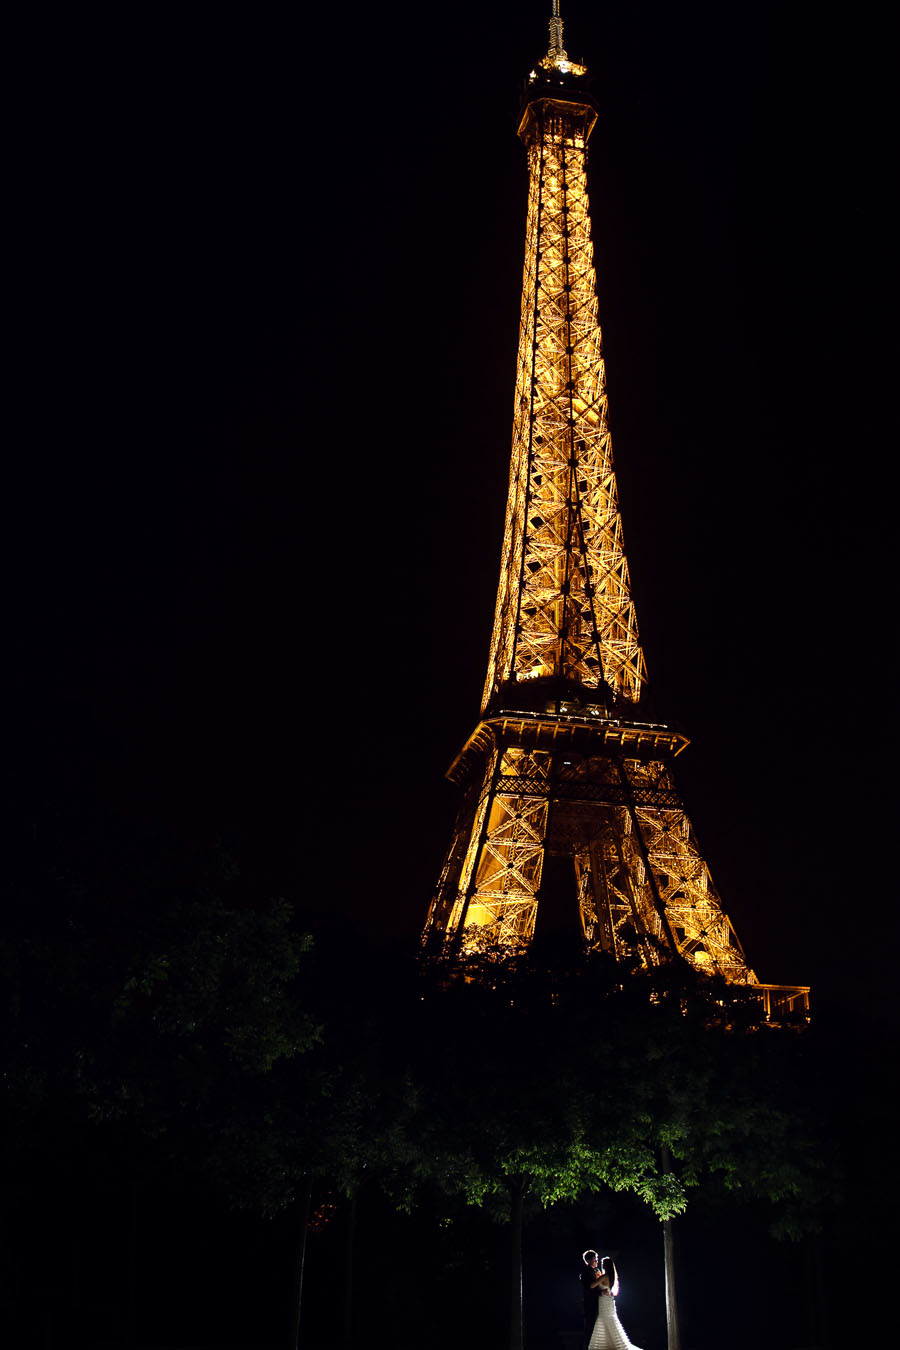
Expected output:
(783, 1001)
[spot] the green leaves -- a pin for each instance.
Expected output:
(579, 1079)
(665, 1194)
(142, 991)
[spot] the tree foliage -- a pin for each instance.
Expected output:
(149, 992)
(576, 1074)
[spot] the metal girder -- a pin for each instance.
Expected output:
(642, 880)
(560, 763)
(564, 605)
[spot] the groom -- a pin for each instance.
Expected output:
(590, 1288)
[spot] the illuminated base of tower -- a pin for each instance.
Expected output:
(577, 794)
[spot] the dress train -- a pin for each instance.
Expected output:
(608, 1333)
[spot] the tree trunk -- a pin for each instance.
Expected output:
(516, 1208)
(672, 1329)
(815, 1281)
(348, 1307)
(131, 1306)
(674, 1337)
(300, 1263)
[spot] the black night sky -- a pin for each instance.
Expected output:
(267, 280)
(271, 283)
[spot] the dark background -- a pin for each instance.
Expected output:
(270, 276)
(266, 280)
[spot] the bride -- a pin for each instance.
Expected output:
(608, 1333)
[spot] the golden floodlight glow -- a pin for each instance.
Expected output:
(564, 763)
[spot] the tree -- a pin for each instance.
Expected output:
(147, 991)
(546, 1115)
(579, 1074)
(141, 998)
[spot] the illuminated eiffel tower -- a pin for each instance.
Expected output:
(567, 788)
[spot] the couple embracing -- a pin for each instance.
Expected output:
(600, 1284)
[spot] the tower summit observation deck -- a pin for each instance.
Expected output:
(569, 803)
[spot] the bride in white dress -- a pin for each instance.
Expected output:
(608, 1333)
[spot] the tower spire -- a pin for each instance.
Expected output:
(556, 50)
(570, 814)
(557, 59)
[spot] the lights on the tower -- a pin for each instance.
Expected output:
(564, 65)
(535, 673)
(564, 605)
(479, 916)
(557, 58)
(578, 776)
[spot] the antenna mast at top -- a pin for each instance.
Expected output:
(557, 51)
(556, 58)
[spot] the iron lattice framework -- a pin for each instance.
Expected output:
(564, 604)
(562, 764)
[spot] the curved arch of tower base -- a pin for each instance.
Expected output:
(581, 831)
(638, 880)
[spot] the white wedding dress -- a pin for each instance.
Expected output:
(608, 1333)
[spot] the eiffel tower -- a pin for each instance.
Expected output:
(569, 797)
